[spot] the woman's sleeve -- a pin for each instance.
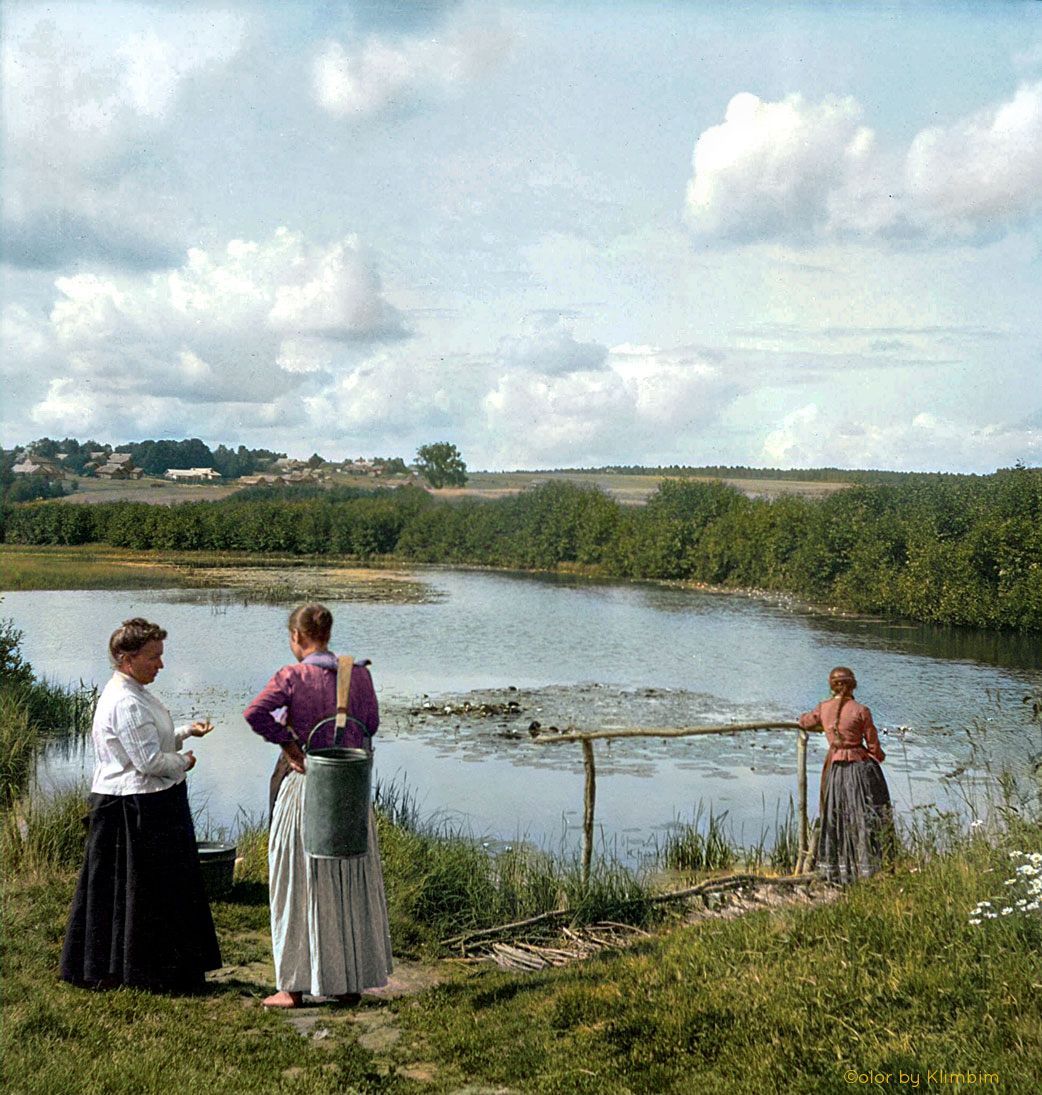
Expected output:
(871, 735)
(811, 720)
(260, 713)
(138, 733)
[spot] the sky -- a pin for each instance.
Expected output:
(555, 235)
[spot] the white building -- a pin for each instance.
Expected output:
(194, 474)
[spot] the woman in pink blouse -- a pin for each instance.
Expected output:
(329, 927)
(856, 820)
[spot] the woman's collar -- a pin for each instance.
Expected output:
(326, 659)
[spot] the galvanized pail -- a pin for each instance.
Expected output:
(336, 802)
(217, 865)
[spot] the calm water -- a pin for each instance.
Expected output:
(584, 654)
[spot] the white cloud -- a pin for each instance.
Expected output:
(75, 124)
(986, 170)
(334, 294)
(798, 170)
(245, 326)
(380, 74)
(644, 401)
(284, 286)
(550, 347)
(769, 168)
(809, 437)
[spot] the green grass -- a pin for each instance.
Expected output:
(889, 977)
(29, 568)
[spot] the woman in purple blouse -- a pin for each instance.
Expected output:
(329, 926)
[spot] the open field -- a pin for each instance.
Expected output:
(160, 491)
(629, 489)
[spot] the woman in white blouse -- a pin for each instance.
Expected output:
(140, 915)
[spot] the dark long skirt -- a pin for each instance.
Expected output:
(140, 915)
(856, 822)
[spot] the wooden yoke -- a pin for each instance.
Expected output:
(343, 691)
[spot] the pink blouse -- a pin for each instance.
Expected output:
(300, 695)
(855, 738)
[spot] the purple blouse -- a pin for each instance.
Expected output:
(301, 695)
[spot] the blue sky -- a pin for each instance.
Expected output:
(557, 235)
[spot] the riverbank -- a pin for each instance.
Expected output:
(890, 978)
(960, 553)
(95, 566)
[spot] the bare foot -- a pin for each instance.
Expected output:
(285, 1000)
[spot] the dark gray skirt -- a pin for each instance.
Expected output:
(857, 828)
(140, 915)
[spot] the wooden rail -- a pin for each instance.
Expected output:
(587, 738)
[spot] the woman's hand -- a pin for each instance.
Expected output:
(190, 757)
(200, 729)
(295, 755)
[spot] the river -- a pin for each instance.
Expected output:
(567, 652)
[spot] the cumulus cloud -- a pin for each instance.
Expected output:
(76, 126)
(550, 347)
(244, 326)
(807, 437)
(769, 168)
(800, 171)
(643, 401)
(640, 401)
(379, 73)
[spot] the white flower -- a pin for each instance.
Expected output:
(1006, 911)
(974, 921)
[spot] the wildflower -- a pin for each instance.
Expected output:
(974, 920)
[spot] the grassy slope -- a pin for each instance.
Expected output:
(891, 977)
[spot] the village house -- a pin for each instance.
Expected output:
(204, 475)
(259, 480)
(119, 465)
(38, 465)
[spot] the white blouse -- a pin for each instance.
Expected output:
(135, 743)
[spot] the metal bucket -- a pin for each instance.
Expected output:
(217, 864)
(336, 802)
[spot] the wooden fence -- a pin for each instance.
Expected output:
(588, 737)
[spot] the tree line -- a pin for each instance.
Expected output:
(950, 550)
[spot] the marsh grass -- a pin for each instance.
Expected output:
(441, 881)
(31, 714)
(41, 834)
(31, 568)
(708, 843)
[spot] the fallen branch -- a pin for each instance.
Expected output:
(728, 882)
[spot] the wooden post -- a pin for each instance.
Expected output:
(589, 797)
(801, 768)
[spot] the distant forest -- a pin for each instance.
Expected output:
(964, 550)
(740, 471)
